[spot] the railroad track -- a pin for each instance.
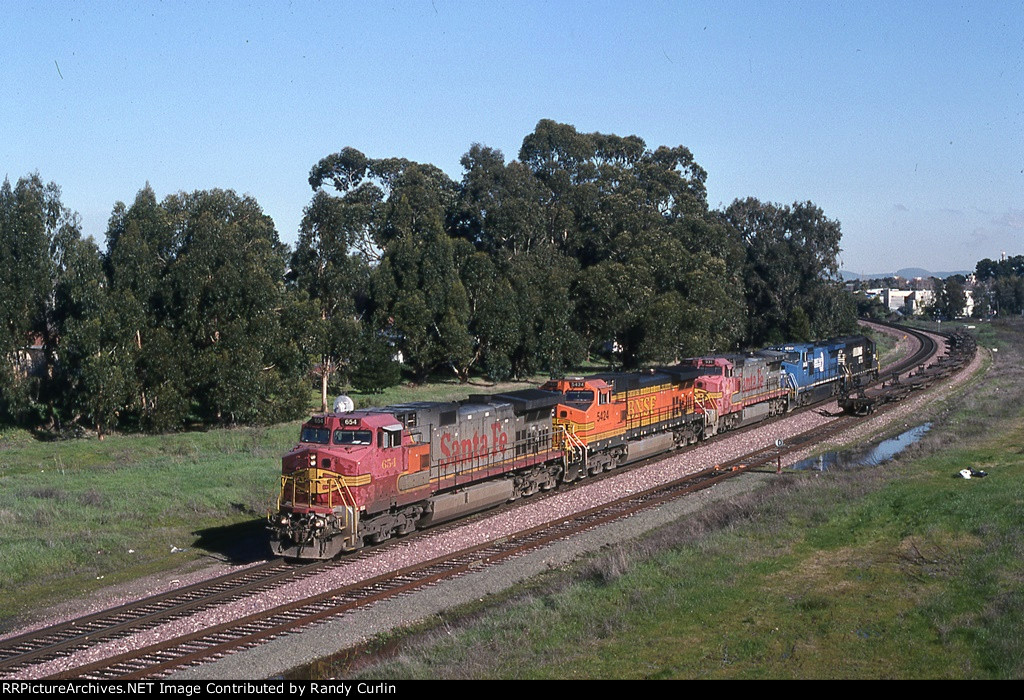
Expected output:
(159, 659)
(68, 637)
(914, 373)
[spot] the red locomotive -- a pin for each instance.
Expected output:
(363, 476)
(737, 390)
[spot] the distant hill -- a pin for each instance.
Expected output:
(905, 272)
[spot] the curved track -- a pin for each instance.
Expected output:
(35, 651)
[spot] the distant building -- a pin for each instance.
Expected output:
(895, 299)
(915, 302)
(30, 360)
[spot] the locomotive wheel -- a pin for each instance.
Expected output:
(378, 537)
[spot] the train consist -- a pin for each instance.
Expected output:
(359, 477)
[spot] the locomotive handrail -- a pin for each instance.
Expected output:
(661, 415)
(573, 440)
(333, 484)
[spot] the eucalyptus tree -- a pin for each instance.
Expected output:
(519, 282)
(327, 266)
(35, 232)
(94, 377)
(791, 272)
(418, 301)
(226, 299)
(140, 247)
(654, 262)
(198, 281)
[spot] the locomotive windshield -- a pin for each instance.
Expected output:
(581, 397)
(353, 437)
(320, 436)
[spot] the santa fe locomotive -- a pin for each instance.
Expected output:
(359, 477)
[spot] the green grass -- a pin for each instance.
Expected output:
(83, 513)
(886, 347)
(862, 576)
(76, 515)
(900, 571)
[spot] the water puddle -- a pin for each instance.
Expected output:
(870, 456)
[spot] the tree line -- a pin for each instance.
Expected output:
(587, 245)
(1000, 286)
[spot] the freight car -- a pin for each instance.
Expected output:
(360, 477)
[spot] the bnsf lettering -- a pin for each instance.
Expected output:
(642, 406)
(478, 445)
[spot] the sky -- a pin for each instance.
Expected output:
(902, 120)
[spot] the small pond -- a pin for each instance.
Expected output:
(869, 456)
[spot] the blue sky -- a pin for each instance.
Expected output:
(904, 121)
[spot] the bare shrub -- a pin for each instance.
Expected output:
(50, 493)
(92, 499)
(610, 566)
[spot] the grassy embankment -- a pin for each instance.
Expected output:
(77, 515)
(899, 571)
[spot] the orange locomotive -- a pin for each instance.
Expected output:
(617, 418)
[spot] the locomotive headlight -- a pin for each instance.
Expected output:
(312, 459)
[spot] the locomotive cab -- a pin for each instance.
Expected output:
(585, 409)
(343, 465)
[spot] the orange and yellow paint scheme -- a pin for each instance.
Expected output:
(611, 409)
